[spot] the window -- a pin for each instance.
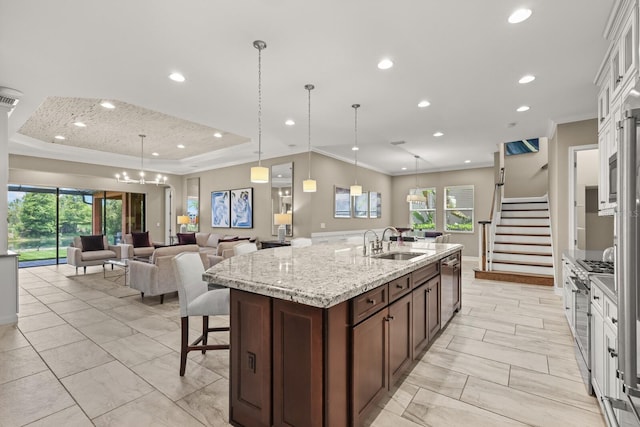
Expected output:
(423, 214)
(458, 208)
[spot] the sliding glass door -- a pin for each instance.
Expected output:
(43, 221)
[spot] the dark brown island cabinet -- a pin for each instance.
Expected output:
(298, 365)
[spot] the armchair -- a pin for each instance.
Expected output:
(79, 256)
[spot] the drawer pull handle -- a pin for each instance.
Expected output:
(388, 318)
(567, 308)
(371, 301)
(612, 352)
(614, 320)
(596, 297)
(400, 286)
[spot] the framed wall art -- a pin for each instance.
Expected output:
(220, 209)
(342, 203)
(242, 208)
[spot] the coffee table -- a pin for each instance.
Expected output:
(122, 263)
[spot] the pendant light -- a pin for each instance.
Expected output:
(417, 196)
(309, 185)
(259, 174)
(355, 190)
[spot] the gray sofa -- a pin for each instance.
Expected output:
(79, 258)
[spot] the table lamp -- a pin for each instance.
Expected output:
(183, 220)
(282, 220)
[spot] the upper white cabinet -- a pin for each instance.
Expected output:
(617, 76)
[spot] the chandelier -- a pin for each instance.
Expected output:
(159, 179)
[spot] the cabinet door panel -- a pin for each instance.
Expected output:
(433, 306)
(370, 364)
(420, 320)
(250, 393)
(297, 364)
(400, 338)
(610, 361)
(598, 349)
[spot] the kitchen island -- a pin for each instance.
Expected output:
(318, 334)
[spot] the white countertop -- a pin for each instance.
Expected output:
(320, 275)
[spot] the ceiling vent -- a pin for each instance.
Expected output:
(396, 142)
(9, 97)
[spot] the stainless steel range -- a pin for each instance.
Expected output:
(581, 316)
(593, 266)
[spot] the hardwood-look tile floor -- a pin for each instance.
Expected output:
(88, 351)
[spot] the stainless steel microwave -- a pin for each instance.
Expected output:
(613, 177)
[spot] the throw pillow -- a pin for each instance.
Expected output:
(186, 238)
(92, 243)
(140, 240)
(212, 241)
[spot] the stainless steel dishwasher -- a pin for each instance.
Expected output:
(450, 286)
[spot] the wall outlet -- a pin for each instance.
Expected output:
(157, 224)
(323, 225)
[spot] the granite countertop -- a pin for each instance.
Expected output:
(320, 275)
(606, 282)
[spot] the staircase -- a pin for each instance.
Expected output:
(520, 245)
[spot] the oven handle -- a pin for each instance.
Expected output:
(580, 288)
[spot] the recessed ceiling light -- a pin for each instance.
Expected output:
(438, 134)
(177, 77)
(107, 105)
(526, 79)
(80, 124)
(404, 169)
(180, 146)
(423, 104)
(519, 16)
(522, 108)
(511, 125)
(289, 122)
(217, 135)
(155, 154)
(279, 175)
(385, 64)
(355, 148)
(60, 137)
(467, 161)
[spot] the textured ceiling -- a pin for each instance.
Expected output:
(462, 56)
(116, 130)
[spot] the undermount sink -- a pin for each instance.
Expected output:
(399, 256)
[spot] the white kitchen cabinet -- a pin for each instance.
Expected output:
(604, 343)
(568, 295)
(616, 78)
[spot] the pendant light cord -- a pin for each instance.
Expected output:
(355, 168)
(309, 87)
(259, 105)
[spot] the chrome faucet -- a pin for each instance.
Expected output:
(374, 245)
(394, 230)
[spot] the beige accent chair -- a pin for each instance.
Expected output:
(157, 277)
(225, 250)
(79, 258)
(197, 300)
(138, 252)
